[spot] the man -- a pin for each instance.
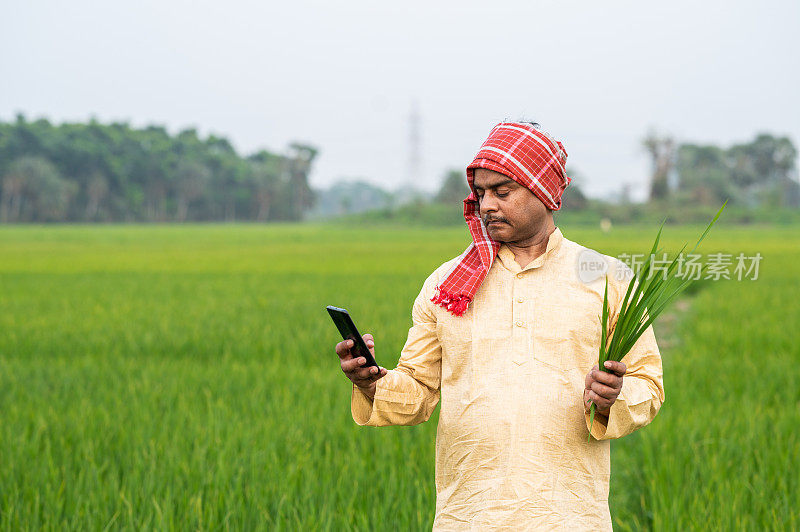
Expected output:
(508, 333)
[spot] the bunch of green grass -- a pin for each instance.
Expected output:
(647, 296)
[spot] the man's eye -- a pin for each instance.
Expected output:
(502, 194)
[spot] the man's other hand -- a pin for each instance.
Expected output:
(363, 377)
(602, 388)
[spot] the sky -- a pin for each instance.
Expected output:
(344, 76)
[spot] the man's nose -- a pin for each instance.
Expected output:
(488, 204)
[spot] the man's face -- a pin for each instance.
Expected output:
(509, 210)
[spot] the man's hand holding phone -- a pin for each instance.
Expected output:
(363, 377)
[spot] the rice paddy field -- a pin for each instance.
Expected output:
(184, 377)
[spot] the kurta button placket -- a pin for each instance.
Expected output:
(519, 356)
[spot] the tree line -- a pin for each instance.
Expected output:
(759, 173)
(93, 172)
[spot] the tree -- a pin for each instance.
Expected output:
(157, 165)
(96, 191)
(454, 188)
(573, 198)
(760, 172)
(191, 180)
(265, 173)
(12, 196)
(703, 175)
(662, 153)
(299, 161)
(36, 191)
(765, 167)
(227, 174)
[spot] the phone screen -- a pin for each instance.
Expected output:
(348, 331)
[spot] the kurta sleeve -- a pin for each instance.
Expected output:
(642, 387)
(408, 394)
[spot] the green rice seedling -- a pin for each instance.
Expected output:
(646, 297)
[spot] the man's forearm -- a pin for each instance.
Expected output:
(408, 394)
(396, 399)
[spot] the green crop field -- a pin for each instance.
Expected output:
(183, 377)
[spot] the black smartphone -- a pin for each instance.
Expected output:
(348, 331)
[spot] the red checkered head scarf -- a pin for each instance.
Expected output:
(531, 158)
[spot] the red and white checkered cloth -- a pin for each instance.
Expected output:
(531, 158)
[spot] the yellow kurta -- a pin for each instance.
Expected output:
(511, 449)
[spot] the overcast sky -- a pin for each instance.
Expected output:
(343, 75)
